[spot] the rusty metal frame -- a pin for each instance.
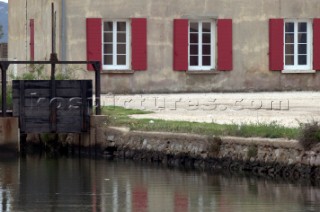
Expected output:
(5, 64)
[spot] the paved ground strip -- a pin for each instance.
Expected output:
(284, 108)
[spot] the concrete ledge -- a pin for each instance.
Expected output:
(117, 72)
(202, 72)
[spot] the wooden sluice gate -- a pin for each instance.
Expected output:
(48, 106)
(39, 112)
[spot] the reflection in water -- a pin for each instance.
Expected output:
(38, 184)
(5, 199)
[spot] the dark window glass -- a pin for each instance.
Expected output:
(194, 38)
(108, 48)
(289, 60)
(194, 61)
(289, 48)
(206, 49)
(302, 49)
(108, 26)
(121, 48)
(121, 37)
(206, 38)
(289, 27)
(289, 38)
(206, 27)
(206, 60)
(108, 37)
(302, 27)
(302, 59)
(121, 60)
(121, 26)
(108, 59)
(194, 27)
(194, 49)
(302, 38)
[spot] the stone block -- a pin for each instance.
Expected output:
(85, 140)
(9, 134)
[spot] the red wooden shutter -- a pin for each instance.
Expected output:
(94, 40)
(316, 44)
(180, 48)
(139, 43)
(276, 31)
(31, 39)
(224, 44)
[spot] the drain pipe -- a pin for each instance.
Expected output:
(63, 34)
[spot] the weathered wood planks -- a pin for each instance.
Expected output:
(40, 112)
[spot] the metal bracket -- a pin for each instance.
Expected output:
(96, 66)
(4, 65)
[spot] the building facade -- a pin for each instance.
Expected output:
(3, 51)
(149, 46)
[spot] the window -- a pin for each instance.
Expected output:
(116, 48)
(201, 45)
(185, 49)
(297, 45)
(118, 44)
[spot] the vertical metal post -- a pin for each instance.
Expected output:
(96, 66)
(63, 34)
(52, 29)
(4, 90)
(53, 59)
(53, 56)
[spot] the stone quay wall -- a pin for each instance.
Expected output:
(259, 156)
(255, 156)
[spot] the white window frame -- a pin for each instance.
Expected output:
(114, 46)
(200, 67)
(297, 67)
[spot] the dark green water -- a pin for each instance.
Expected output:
(39, 184)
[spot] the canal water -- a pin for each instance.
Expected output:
(65, 184)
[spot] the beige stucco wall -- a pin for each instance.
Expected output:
(250, 41)
(20, 13)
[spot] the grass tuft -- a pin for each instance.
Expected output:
(310, 135)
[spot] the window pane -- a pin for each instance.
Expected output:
(194, 61)
(289, 48)
(289, 27)
(121, 49)
(289, 60)
(194, 26)
(302, 27)
(302, 59)
(108, 59)
(121, 59)
(194, 49)
(108, 26)
(206, 27)
(206, 60)
(302, 38)
(194, 38)
(206, 49)
(107, 48)
(121, 37)
(121, 26)
(289, 38)
(108, 37)
(206, 38)
(302, 49)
